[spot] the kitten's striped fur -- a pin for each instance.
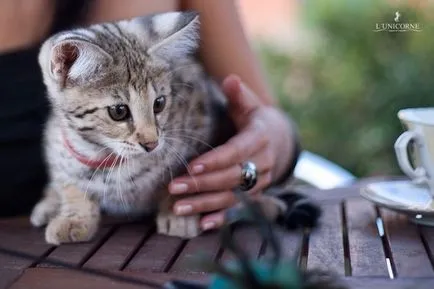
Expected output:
(130, 62)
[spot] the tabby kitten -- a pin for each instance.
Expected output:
(131, 105)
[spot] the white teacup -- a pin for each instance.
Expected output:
(419, 123)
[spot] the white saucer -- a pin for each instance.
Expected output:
(405, 197)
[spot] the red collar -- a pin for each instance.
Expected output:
(105, 162)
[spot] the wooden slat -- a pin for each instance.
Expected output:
(7, 276)
(329, 196)
(205, 246)
(55, 278)
(339, 194)
(118, 248)
(248, 239)
(17, 234)
(290, 245)
(326, 243)
(50, 278)
(76, 254)
(383, 283)
(409, 255)
(44, 278)
(428, 235)
(366, 250)
(156, 254)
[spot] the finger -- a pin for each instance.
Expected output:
(225, 179)
(241, 99)
(217, 219)
(213, 220)
(248, 142)
(208, 202)
(204, 202)
(219, 180)
(264, 180)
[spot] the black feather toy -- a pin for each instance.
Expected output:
(275, 273)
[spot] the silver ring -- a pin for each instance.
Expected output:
(249, 176)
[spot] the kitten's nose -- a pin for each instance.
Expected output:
(149, 146)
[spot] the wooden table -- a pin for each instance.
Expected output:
(369, 247)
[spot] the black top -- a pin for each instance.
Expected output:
(22, 117)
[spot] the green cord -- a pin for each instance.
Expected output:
(283, 276)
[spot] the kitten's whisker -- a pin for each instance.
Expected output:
(119, 193)
(196, 139)
(93, 175)
(181, 134)
(179, 140)
(204, 122)
(159, 155)
(134, 164)
(183, 84)
(118, 178)
(129, 172)
(93, 151)
(168, 168)
(183, 130)
(190, 105)
(109, 174)
(128, 163)
(170, 173)
(105, 182)
(184, 162)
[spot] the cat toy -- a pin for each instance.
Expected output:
(247, 273)
(274, 273)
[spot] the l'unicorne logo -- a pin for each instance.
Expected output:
(398, 25)
(397, 16)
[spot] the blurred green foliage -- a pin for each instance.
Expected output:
(345, 89)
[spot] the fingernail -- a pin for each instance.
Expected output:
(208, 226)
(178, 188)
(197, 169)
(183, 209)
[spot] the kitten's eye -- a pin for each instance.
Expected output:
(159, 104)
(119, 112)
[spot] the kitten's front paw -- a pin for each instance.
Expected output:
(43, 212)
(46, 209)
(70, 230)
(178, 226)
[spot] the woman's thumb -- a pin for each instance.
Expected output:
(241, 99)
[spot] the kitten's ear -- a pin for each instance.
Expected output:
(177, 34)
(71, 62)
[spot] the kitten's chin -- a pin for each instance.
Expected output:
(132, 154)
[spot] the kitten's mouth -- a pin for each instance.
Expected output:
(149, 146)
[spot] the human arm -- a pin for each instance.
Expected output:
(225, 50)
(264, 136)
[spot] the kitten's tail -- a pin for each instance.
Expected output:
(289, 209)
(300, 211)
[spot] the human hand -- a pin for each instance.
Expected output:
(260, 132)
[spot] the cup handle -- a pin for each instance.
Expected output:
(418, 174)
